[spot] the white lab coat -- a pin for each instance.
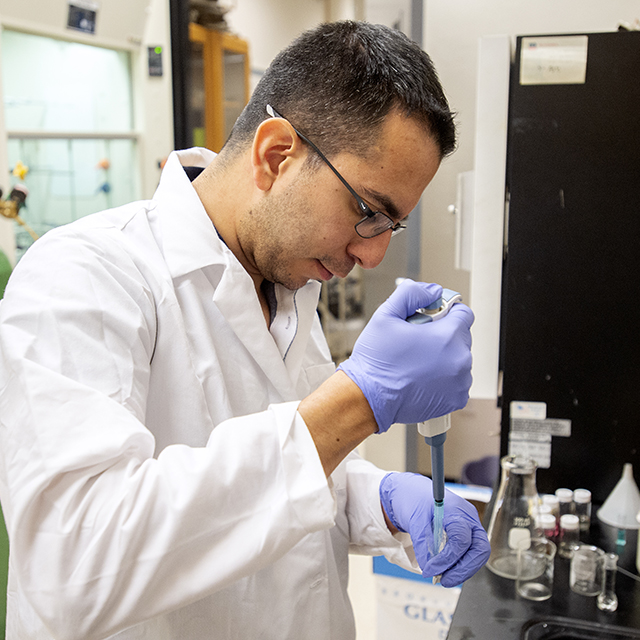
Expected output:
(156, 478)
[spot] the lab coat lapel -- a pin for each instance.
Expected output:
(236, 298)
(189, 239)
(306, 303)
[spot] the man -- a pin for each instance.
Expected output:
(177, 447)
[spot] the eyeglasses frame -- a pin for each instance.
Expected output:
(394, 227)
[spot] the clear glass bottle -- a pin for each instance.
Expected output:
(541, 509)
(553, 503)
(582, 502)
(513, 516)
(569, 534)
(565, 501)
(548, 526)
(607, 599)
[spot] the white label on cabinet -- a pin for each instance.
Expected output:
(554, 60)
(551, 426)
(527, 410)
(531, 445)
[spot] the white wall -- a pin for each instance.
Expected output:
(393, 13)
(153, 97)
(270, 25)
(119, 24)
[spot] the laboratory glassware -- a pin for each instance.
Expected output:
(607, 599)
(534, 573)
(587, 565)
(512, 521)
(582, 504)
(569, 535)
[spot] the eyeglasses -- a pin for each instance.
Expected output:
(374, 222)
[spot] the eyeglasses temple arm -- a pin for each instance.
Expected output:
(366, 210)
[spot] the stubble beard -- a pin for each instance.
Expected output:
(279, 234)
(276, 237)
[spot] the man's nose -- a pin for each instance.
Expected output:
(368, 252)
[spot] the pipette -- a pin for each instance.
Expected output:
(435, 430)
(435, 433)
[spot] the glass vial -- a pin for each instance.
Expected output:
(569, 534)
(565, 501)
(548, 526)
(608, 600)
(553, 503)
(582, 503)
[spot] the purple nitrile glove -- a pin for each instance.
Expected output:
(413, 372)
(407, 499)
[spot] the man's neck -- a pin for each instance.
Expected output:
(225, 193)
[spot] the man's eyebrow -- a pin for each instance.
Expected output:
(386, 202)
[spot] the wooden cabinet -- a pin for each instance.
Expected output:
(219, 72)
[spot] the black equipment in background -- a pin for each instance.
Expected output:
(570, 330)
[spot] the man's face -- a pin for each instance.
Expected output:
(303, 227)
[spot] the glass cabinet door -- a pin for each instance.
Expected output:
(235, 97)
(196, 124)
(219, 68)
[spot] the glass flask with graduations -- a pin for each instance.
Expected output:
(513, 517)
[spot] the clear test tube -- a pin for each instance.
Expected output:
(565, 501)
(582, 502)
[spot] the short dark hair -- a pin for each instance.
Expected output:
(336, 84)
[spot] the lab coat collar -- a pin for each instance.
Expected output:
(189, 239)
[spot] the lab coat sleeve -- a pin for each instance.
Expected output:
(103, 535)
(368, 530)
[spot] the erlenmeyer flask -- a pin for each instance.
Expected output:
(513, 518)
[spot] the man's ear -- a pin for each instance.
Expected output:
(275, 148)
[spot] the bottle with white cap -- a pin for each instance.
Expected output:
(582, 501)
(553, 503)
(569, 534)
(547, 525)
(546, 522)
(565, 500)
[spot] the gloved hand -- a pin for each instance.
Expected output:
(413, 372)
(407, 499)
